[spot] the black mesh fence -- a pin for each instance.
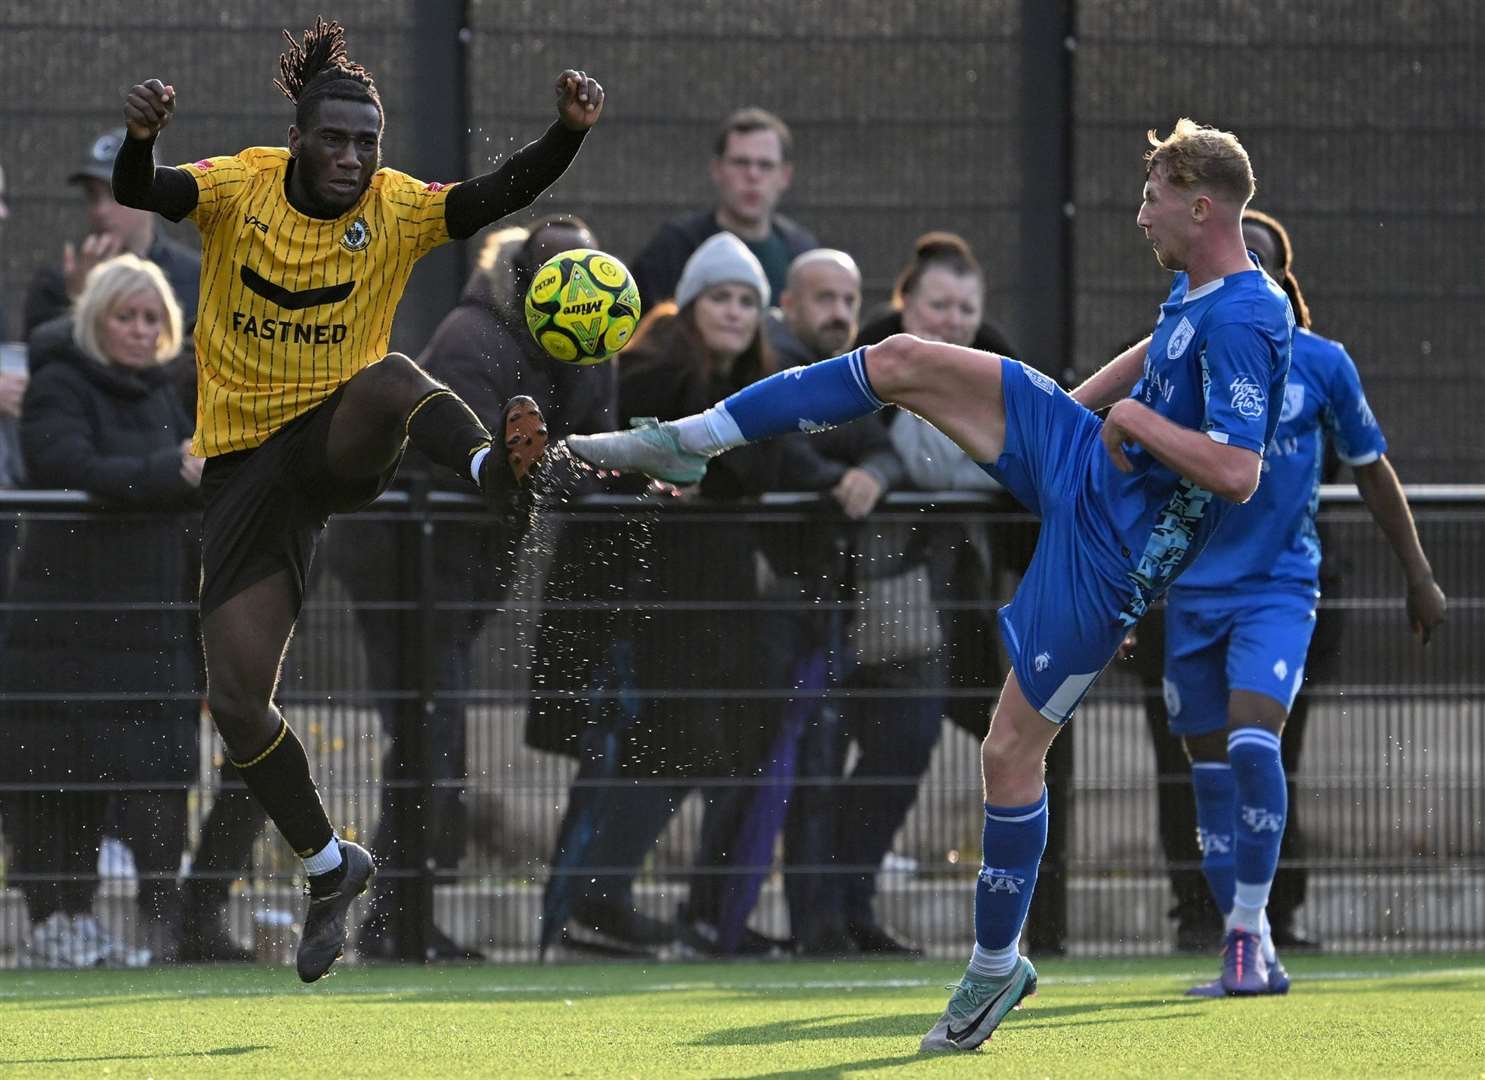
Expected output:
(904, 115)
(1365, 123)
(705, 714)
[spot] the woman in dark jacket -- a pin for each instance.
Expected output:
(99, 658)
(484, 352)
(708, 342)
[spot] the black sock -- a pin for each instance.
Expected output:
(279, 777)
(446, 430)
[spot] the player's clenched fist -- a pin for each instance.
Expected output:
(579, 100)
(148, 108)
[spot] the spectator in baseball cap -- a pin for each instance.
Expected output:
(111, 230)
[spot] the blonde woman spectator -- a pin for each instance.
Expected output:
(107, 693)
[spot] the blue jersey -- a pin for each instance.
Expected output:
(1270, 541)
(1217, 363)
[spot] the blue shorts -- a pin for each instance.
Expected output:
(1215, 644)
(1061, 628)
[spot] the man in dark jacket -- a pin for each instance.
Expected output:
(751, 169)
(483, 351)
(112, 230)
(818, 318)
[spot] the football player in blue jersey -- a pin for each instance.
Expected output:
(1239, 621)
(1126, 502)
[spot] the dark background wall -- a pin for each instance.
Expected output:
(1365, 120)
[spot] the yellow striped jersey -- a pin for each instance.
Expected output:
(293, 306)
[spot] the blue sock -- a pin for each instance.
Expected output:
(1216, 809)
(1262, 804)
(807, 398)
(1015, 837)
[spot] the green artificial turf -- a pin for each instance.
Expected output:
(1347, 1016)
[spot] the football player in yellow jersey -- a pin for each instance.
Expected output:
(305, 253)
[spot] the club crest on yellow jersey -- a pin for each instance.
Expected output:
(357, 235)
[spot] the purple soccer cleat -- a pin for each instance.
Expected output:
(1277, 983)
(1244, 972)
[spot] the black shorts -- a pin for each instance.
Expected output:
(265, 508)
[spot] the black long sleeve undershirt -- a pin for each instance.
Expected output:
(472, 205)
(515, 185)
(139, 183)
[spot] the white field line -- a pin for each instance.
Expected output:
(580, 989)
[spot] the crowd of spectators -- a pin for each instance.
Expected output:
(101, 402)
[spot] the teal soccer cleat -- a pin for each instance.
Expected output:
(649, 447)
(977, 1007)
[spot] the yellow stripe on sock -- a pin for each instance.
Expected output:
(282, 731)
(429, 396)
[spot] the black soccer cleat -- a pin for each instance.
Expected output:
(525, 438)
(323, 939)
(508, 469)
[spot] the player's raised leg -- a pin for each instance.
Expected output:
(394, 402)
(244, 639)
(956, 389)
(998, 976)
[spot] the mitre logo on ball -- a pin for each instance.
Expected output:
(582, 306)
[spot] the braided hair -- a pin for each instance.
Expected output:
(318, 70)
(1283, 272)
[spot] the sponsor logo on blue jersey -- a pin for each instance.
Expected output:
(1247, 397)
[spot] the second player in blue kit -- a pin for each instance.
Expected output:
(1239, 622)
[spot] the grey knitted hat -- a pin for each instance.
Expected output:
(721, 258)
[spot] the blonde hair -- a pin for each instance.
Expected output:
(108, 283)
(1194, 155)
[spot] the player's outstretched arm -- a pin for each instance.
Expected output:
(1230, 472)
(137, 182)
(532, 169)
(1114, 380)
(1383, 494)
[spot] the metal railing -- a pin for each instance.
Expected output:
(486, 715)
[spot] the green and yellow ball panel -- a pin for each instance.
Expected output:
(582, 306)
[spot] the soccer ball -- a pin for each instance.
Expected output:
(582, 306)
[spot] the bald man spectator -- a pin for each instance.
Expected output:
(818, 308)
(849, 826)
